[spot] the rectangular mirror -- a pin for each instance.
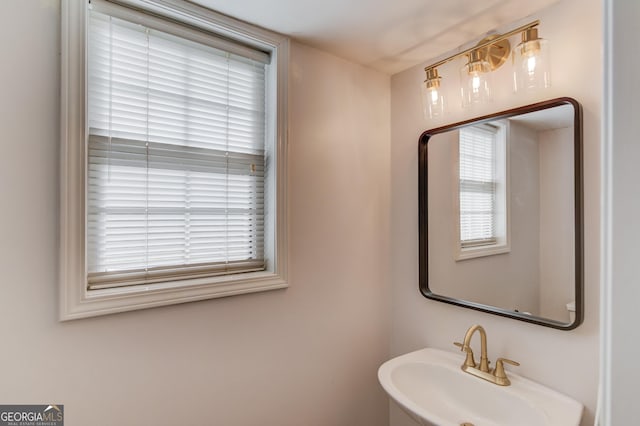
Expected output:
(500, 201)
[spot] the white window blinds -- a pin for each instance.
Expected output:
(477, 156)
(176, 163)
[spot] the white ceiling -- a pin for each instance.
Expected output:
(558, 117)
(386, 35)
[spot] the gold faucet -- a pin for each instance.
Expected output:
(497, 375)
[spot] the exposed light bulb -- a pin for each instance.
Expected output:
(475, 83)
(434, 96)
(531, 64)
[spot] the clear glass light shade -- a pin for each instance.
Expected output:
(432, 99)
(475, 79)
(531, 63)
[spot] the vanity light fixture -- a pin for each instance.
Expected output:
(531, 70)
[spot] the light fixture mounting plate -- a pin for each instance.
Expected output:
(496, 53)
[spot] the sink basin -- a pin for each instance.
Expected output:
(430, 386)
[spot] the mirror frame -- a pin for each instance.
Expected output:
(423, 227)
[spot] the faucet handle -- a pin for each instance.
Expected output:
(499, 372)
(469, 361)
(508, 361)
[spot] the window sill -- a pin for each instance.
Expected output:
(90, 303)
(482, 251)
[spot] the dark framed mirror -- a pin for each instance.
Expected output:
(501, 214)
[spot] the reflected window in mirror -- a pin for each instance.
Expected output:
(481, 209)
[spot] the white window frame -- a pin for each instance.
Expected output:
(76, 301)
(503, 215)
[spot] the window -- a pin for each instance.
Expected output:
(173, 181)
(482, 186)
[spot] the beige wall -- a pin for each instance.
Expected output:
(564, 360)
(307, 355)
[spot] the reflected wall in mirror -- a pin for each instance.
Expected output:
(500, 202)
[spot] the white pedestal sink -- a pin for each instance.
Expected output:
(430, 386)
